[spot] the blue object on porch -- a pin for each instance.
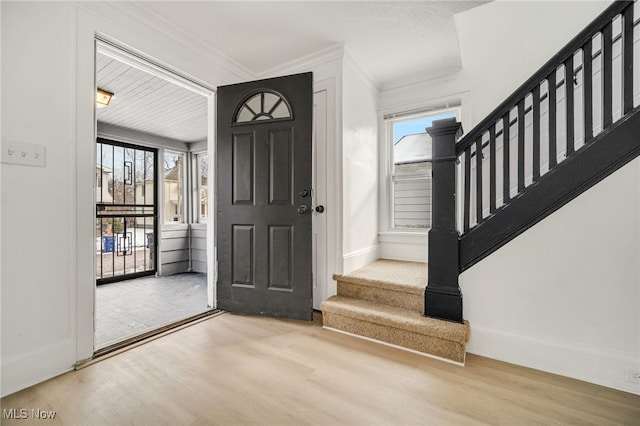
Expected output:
(107, 244)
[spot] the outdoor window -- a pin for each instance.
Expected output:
(173, 187)
(410, 168)
(202, 161)
(263, 106)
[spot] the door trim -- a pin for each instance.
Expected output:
(334, 193)
(82, 322)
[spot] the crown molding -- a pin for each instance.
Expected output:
(364, 75)
(140, 12)
(306, 62)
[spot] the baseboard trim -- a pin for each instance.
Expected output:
(577, 362)
(27, 369)
(460, 364)
(359, 258)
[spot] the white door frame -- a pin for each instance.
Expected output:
(324, 181)
(85, 176)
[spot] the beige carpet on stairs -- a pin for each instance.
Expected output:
(384, 301)
(393, 273)
(389, 282)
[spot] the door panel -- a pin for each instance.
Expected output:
(243, 255)
(243, 166)
(280, 257)
(280, 166)
(264, 143)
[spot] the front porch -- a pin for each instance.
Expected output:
(130, 308)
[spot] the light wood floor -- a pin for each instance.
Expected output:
(240, 370)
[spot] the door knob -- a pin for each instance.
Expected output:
(303, 209)
(320, 209)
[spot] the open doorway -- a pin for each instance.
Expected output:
(152, 203)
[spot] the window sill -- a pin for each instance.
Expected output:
(411, 237)
(174, 226)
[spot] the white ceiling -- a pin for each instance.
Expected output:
(150, 104)
(394, 42)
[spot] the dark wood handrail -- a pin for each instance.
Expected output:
(538, 193)
(550, 66)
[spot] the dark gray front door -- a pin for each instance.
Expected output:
(263, 174)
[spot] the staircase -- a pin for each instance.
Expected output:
(483, 197)
(384, 301)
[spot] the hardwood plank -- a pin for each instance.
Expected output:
(241, 369)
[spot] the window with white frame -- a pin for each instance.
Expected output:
(174, 174)
(410, 167)
(202, 168)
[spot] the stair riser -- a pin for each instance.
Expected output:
(429, 345)
(413, 302)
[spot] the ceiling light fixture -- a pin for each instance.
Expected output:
(103, 98)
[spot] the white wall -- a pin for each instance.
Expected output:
(48, 274)
(38, 231)
(360, 168)
(564, 296)
(504, 42)
(47, 295)
(48, 213)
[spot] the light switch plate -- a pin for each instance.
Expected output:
(24, 154)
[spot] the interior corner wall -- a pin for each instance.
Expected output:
(47, 276)
(360, 169)
(38, 228)
(564, 297)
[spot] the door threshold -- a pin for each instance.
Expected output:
(141, 339)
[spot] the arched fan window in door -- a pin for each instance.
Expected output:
(263, 106)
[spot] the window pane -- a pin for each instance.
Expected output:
(412, 144)
(263, 106)
(410, 176)
(412, 203)
(203, 168)
(173, 187)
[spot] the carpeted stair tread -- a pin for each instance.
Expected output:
(396, 275)
(395, 317)
(384, 301)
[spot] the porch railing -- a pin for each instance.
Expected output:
(574, 122)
